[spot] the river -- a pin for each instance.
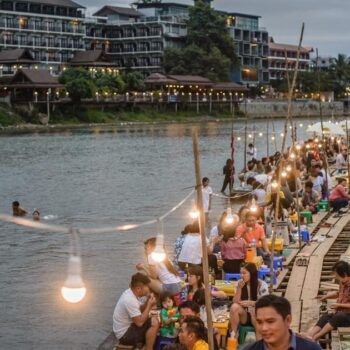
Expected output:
(91, 178)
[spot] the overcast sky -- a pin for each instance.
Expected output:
(326, 21)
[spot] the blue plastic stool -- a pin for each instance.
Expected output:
(277, 263)
(265, 272)
(162, 341)
(232, 276)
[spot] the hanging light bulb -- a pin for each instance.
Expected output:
(158, 254)
(283, 173)
(307, 146)
(319, 145)
(274, 184)
(316, 139)
(282, 134)
(338, 141)
(229, 217)
(194, 213)
(250, 136)
(298, 147)
(272, 137)
(260, 134)
(288, 168)
(73, 289)
(253, 207)
(238, 138)
(301, 125)
(332, 138)
(292, 156)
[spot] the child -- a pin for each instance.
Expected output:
(169, 316)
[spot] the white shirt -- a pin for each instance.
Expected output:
(191, 251)
(251, 153)
(214, 232)
(164, 275)
(264, 179)
(128, 306)
(206, 193)
(340, 162)
(260, 194)
(318, 182)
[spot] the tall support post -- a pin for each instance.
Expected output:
(347, 147)
(204, 238)
(245, 133)
(267, 138)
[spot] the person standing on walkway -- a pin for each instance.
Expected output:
(251, 152)
(207, 194)
(228, 171)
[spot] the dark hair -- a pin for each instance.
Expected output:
(254, 283)
(256, 185)
(139, 279)
(268, 169)
(197, 271)
(250, 165)
(250, 145)
(340, 180)
(187, 229)
(190, 305)
(250, 180)
(195, 325)
(205, 179)
(199, 297)
(280, 304)
(15, 204)
(309, 184)
(152, 242)
(164, 296)
(342, 268)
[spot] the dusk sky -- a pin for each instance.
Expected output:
(326, 22)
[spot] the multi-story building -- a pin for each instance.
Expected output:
(52, 29)
(136, 39)
(283, 58)
(252, 48)
(323, 63)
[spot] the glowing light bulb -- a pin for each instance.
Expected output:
(301, 125)
(298, 147)
(319, 145)
(260, 134)
(316, 139)
(238, 138)
(338, 141)
(332, 138)
(73, 289)
(272, 137)
(307, 146)
(282, 134)
(283, 173)
(288, 168)
(250, 136)
(194, 213)
(292, 156)
(309, 126)
(229, 217)
(274, 184)
(158, 254)
(253, 207)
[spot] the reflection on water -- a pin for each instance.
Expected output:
(88, 178)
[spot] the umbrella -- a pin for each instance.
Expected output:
(328, 129)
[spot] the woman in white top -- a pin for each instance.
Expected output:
(191, 251)
(163, 275)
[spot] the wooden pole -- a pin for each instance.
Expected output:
(289, 110)
(347, 147)
(245, 134)
(204, 238)
(267, 138)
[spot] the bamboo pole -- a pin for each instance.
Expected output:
(267, 138)
(204, 238)
(290, 96)
(245, 133)
(347, 147)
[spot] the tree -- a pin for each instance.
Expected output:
(78, 83)
(134, 81)
(340, 71)
(209, 50)
(109, 83)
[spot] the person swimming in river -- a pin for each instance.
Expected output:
(36, 215)
(17, 210)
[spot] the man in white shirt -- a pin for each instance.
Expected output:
(131, 322)
(251, 152)
(341, 163)
(207, 194)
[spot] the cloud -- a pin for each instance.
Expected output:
(326, 22)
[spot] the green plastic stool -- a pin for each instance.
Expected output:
(307, 215)
(323, 205)
(243, 331)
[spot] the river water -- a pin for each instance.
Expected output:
(91, 178)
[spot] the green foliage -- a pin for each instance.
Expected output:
(209, 49)
(134, 81)
(9, 117)
(78, 83)
(109, 83)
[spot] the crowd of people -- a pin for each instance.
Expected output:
(176, 288)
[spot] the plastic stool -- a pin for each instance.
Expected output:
(232, 276)
(243, 331)
(162, 341)
(277, 263)
(307, 215)
(265, 272)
